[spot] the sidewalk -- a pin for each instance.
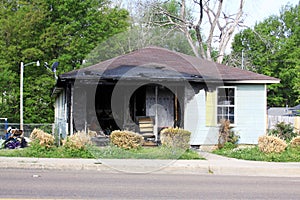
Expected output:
(231, 166)
(214, 165)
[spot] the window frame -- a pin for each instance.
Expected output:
(226, 105)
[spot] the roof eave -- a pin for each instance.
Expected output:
(253, 81)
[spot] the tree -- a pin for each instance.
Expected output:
(8, 90)
(273, 48)
(136, 38)
(48, 31)
(175, 14)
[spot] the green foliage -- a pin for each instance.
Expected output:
(229, 146)
(272, 48)
(161, 152)
(9, 93)
(109, 152)
(75, 153)
(190, 154)
(291, 154)
(283, 131)
(126, 139)
(175, 138)
(48, 31)
(37, 150)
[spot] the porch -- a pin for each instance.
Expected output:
(145, 109)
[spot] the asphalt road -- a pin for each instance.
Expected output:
(52, 184)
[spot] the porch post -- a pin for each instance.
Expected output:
(125, 108)
(176, 107)
(156, 114)
(71, 109)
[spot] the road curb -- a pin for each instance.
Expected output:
(225, 166)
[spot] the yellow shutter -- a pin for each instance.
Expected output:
(211, 108)
(297, 124)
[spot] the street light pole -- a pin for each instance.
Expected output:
(21, 90)
(21, 96)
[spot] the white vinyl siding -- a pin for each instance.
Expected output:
(251, 108)
(249, 115)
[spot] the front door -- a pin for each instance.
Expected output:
(160, 105)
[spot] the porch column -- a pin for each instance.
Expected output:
(71, 109)
(156, 114)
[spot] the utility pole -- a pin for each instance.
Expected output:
(21, 90)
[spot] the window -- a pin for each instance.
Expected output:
(226, 104)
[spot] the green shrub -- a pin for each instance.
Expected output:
(77, 153)
(37, 150)
(79, 140)
(126, 139)
(229, 146)
(175, 137)
(271, 144)
(283, 131)
(44, 139)
(253, 153)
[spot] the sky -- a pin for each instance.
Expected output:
(258, 10)
(255, 10)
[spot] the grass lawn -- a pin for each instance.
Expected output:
(109, 152)
(145, 153)
(291, 154)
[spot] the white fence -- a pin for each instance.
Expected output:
(273, 120)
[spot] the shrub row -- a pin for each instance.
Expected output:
(77, 141)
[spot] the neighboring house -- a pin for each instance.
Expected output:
(295, 110)
(279, 111)
(284, 111)
(171, 88)
(288, 115)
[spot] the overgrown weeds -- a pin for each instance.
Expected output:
(109, 152)
(161, 152)
(226, 134)
(291, 154)
(284, 131)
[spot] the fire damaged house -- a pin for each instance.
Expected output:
(152, 88)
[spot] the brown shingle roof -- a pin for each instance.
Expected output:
(160, 63)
